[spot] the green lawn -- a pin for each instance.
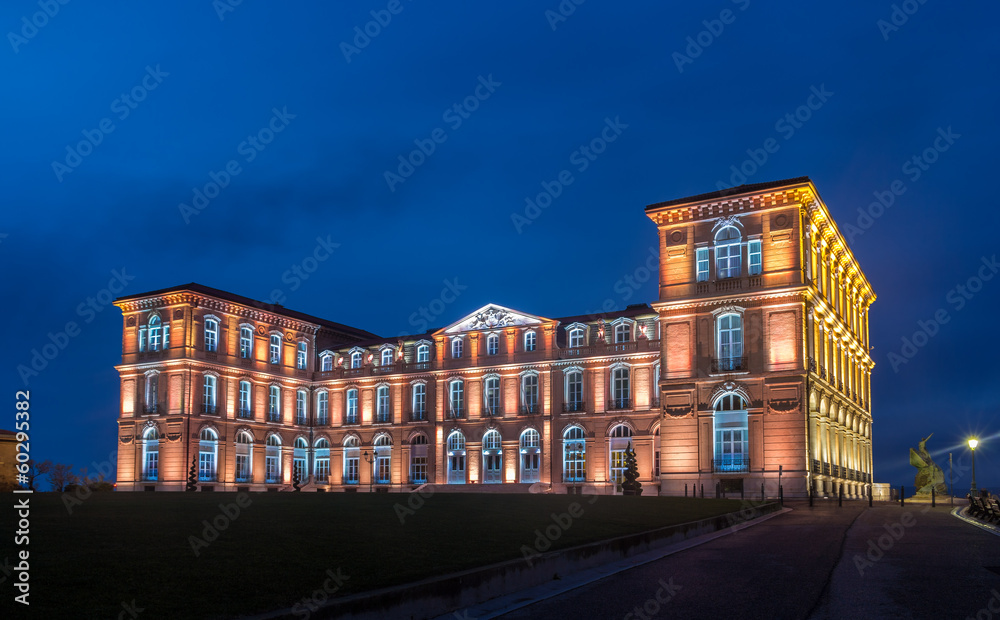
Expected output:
(117, 547)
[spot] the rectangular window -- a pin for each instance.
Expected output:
(300, 407)
(701, 260)
(246, 342)
(419, 401)
(152, 465)
(271, 466)
(211, 335)
(206, 466)
(352, 407)
(322, 470)
(492, 396)
(418, 470)
(351, 470)
(754, 253)
(382, 475)
(166, 335)
(242, 468)
(275, 349)
(576, 338)
(142, 339)
(423, 353)
(300, 356)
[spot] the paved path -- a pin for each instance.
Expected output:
(802, 565)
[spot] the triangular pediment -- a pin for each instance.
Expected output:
(493, 316)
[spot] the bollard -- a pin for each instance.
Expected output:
(869, 496)
(810, 496)
(840, 496)
(933, 499)
(762, 491)
(685, 489)
(741, 493)
(703, 491)
(718, 490)
(781, 496)
(902, 489)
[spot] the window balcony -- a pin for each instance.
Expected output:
(618, 404)
(383, 418)
(154, 408)
(322, 420)
(209, 409)
(246, 362)
(273, 416)
(323, 478)
(418, 416)
(456, 414)
(731, 464)
(245, 412)
(301, 419)
(243, 476)
(271, 480)
(729, 364)
(574, 407)
(351, 481)
(150, 476)
(208, 477)
(530, 409)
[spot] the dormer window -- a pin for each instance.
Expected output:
(623, 332)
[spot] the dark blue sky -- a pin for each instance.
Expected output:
(208, 85)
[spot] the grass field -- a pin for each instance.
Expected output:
(116, 548)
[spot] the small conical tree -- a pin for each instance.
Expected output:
(631, 484)
(296, 480)
(192, 483)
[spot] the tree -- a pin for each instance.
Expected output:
(62, 476)
(631, 484)
(296, 480)
(36, 470)
(192, 483)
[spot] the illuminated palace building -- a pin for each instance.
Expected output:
(753, 364)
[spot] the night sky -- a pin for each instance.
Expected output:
(119, 114)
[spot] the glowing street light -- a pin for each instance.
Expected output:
(973, 443)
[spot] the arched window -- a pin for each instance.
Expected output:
(274, 355)
(386, 357)
(531, 455)
(574, 391)
(623, 332)
(245, 410)
(382, 412)
(272, 459)
(529, 393)
(730, 339)
(321, 461)
(456, 347)
(274, 404)
(491, 395)
(383, 459)
(326, 362)
(576, 337)
(619, 441)
(656, 453)
(456, 398)
(492, 344)
(322, 408)
(352, 455)
(208, 451)
(300, 407)
(456, 458)
(423, 353)
(246, 342)
(731, 434)
(154, 333)
(152, 404)
(530, 341)
(574, 455)
(727, 253)
(300, 355)
(356, 359)
(209, 394)
(300, 460)
(418, 459)
(244, 457)
(351, 411)
(419, 411)
(492, 458)
(621, 388)
(150, 454)
(211, 335)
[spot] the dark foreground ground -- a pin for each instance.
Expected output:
(117, 553)
(810, 563)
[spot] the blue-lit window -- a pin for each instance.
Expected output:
(456, 458)
(619, 441)
(300, 407)
(351, 414)
(492, 458)
(382, 413)
(300, 356)
(211, 335)
(731, 434)
(208, 450)
(300, 460)
(701, 262)
(326, 362)
(492, 344)
(244, 457)
(727, 253)
(150, 454)
(322, 408)
(491, 395)
(419, 401)
(530, 341)
(423, 353)
(730, 339)
(456, 348)
(456, 398)
(321, 461)
(352, 455)
(275, 350)
(246, 342)
(418, 459)
(272, 459)
(754, 258)
(531, 455)
(574, 455)
(383, 460)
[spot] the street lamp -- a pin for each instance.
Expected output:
(370, 459)
(972, 444)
